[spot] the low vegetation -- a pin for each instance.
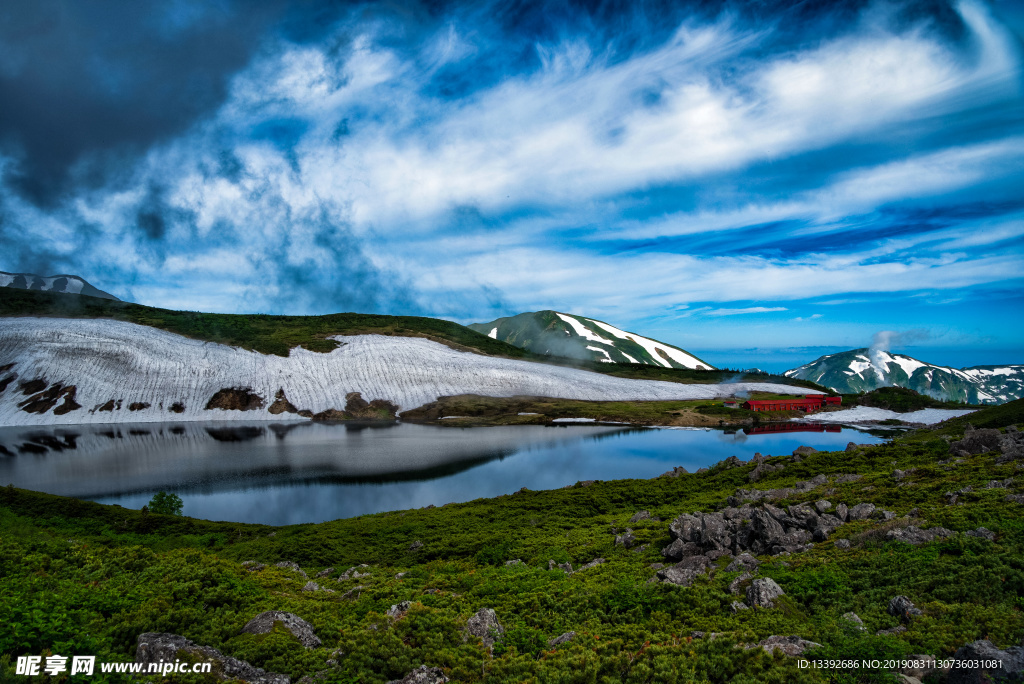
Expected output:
(83, 578)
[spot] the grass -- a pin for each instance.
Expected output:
(83, 578)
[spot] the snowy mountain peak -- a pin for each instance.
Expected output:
(862, 370)
(68, 284)
(561, 334)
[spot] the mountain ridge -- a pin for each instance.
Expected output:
(62, 282)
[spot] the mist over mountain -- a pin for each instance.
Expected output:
(862, 370)
(577, 337)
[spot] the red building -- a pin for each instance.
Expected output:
(808, 403)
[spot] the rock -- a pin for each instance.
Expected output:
(264, 623)
(821, 505)
(790, 645)
(861, 511)
(311, 586)
(855, 619)
(766, 528)
(564, 567)
(685, 528)
(353, 573)
(983, 653)
(484, 625)
(679, 549)
(561, 639)
(626, 539)
(685, 571)
(416, 545)
(881, 514)
(294, 567)
(640, 515)
(1014, 498)
(763, 592)
(422, 675)
(592, 564)
(804, 516)
(398, 610)
(736, 584)
(903, 608)
(743, 562)
(977, 441)
(656, 566)
(253, 566)
(851, 446)
(804, 451)
(153, 648)
(851, 477)
(915, 535)
(842, 543)
(983, 533)
(675, 472)
(353, 592)
(324, 573)
(513, 563)
(842, 512)
(714, 533)
(736, 606)
(892, 630)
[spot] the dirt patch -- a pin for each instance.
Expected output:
(6, 367)
(109, 406)
(7, 381)
(138, 405)
(43, 401)
(235, 399)
(281, 404)
(33, 386)
(177, 407)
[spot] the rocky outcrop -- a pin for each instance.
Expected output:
(422, 675)
(281, 404)
(915, 535)
(967, 659)
(903, 608)
(685, 571)
(235, 399)
(153, 648)
(353, 573)
(264, 623)
(790, 645)
(754, 495)
(627, 539)
(293, 566)
(485, 626)
(399, 609)
(762, 593)
(41, 399)
(854, 620)
(561, 639)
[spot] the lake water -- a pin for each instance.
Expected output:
(310, 472)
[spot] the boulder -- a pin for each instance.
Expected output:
(399, 609)
(675, 472)
(790, 645)
(842, 512)
(561, 639)
(485, 626)
(821, 505)
(253, 566)
(903, 608)
(972, 664)
(685, 528)
(763, 592)
(353, 573)
(983, 533)
(714, 533)
(513, 563)
(153, 648)
(592, 564)
(736, 606)
(804, 451)
(680, 549)
(898, 629)
(324, 573)
(766, 528)
(854, 619)
(915, 535)
(416, 545)
(685, 571)
(977, 441)
(627, 539)
(842, 543)
(743, 562)
(736, 585)
(422, 675)
(861, 511)
(264, 623)
(311, 586)
(564, 567)
(640, 515)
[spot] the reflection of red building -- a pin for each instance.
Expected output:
(791, 427)
(811, 402)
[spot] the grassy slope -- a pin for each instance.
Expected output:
(82, 578)
(278, 334)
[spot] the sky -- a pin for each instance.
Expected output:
(754, 182)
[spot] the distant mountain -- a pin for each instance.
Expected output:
(68, 284)
(577, 337)
(862, 370)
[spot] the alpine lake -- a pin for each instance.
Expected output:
(302, 472)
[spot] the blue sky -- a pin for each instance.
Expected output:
(748, 181)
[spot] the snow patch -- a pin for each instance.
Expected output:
(652, 347)
(863, 414)
(607, 357)
(493, 334)
(582, 330)
(114, 360)
(574, 420)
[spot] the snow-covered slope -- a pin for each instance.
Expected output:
(862, 370)
(68, 284)
(139, 373)
(578, 337)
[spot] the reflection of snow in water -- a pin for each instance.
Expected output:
(868, 413)
(301, 472)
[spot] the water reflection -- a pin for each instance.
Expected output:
(308, 472)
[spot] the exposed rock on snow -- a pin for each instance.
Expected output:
(116, 364)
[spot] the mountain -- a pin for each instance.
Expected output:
(68, 284)
(862, 370)
(559, 334)
(93, 370)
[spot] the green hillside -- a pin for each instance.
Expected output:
(83, 578)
